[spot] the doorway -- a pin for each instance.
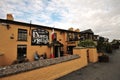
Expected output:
(21, 52)
(57, 51)
(88, 56)
(70, 49)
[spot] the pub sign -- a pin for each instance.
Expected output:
(40, 37)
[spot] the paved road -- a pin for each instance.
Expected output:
(98, 71)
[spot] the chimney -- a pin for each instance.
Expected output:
(70, 29)
(10, 17)
(77, 30)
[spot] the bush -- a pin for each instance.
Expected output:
(108, 48)
(103, 58)
(86, 43)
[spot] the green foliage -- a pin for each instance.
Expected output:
(108, 48)
(101, 46)
(104, 47)
(86, 43)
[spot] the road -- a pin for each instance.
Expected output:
(98, 71)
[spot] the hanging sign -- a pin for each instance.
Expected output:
(40, 37)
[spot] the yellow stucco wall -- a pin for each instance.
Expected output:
(53, 71)
(93, 55)
(82, 53)
(8, 46)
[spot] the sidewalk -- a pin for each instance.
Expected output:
(98, 71)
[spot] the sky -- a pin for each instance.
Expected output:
(102, 16)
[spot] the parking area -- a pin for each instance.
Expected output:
(98, 71)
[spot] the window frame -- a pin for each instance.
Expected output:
(21, 33)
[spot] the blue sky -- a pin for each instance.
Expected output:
(102, 16)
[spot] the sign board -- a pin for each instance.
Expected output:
(40, 37)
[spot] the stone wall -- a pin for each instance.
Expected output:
(17, 68)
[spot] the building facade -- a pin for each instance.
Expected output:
(20, 41)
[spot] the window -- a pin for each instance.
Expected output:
(75, 36)
(22, 35)
(55, 37)
(69, 37)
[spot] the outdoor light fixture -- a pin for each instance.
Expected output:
(12, 36)
(8, 26)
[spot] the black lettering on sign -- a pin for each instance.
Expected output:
(40, 37)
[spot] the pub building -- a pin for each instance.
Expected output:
(19, 41)
(87, 35)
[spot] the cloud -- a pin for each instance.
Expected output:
(102, 16)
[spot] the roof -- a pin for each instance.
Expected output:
(33, 25)
(87, 31)
(96, 35)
